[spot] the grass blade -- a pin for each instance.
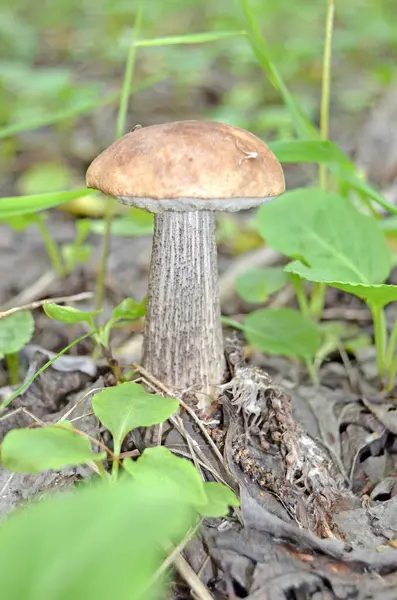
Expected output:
(194, 38)
(22, 205)
(310, 151)
(304, 127)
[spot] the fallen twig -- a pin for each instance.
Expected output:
(39, 303)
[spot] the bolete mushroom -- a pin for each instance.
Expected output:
(183, 172)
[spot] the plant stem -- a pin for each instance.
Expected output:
(120, 128)
(326, 85)
(312, 370)
(27, 383)
(51, 247)
(300, 294)
(392, 375)
(12, 362)
(317, 300)
(116, 460)
(319, 289)
(378, 316)
(392, 347)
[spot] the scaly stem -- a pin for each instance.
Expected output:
(51, 247)
(120, 128)
(183, 345)
(378, 317)
(12, 362)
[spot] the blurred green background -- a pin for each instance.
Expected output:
(62, 63)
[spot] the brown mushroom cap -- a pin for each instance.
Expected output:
(201, 164)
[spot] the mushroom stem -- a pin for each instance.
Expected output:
(183, 345)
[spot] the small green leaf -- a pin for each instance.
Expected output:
(177, 476)
(68, 314)
(256, 285)
(129, 309)
(127, 406)
(34, 450)
(219, 498)
(282, 331)
(16, 331)
(21, 205)
(309, 151)
(70, 529)
(328, 234)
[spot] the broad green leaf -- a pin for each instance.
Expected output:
(256, 285)
(219, 498)
(282, 331)
(127, 406)
(21, 205)
(53, 447)
(328, 234)
(16, 331)
(191, 38)
(377, 294)
(135, 224)
(22, 222)
(70, 113)
(68, 314)
(389, 225)
(309, 151)
(177, 475)
(302, 124)
(59, 543)
(129, 309)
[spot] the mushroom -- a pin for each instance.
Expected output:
(183, 172)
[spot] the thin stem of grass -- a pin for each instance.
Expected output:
(120, 128)
(319, 289)
(51, 247)
(326, 85)
(378, 317)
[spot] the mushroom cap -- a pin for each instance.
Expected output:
(188, 165)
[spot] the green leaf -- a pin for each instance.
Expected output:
(328, 234)
(192, 38)
(129, 309)
(376, 295)
(256, 285)
(72, 531)
(16, 331)
(127, 406)
(68, 314)
(309, 151)
(34, 450)
(219, 498)
(282, 331)
(178, 476)
(21, 205)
